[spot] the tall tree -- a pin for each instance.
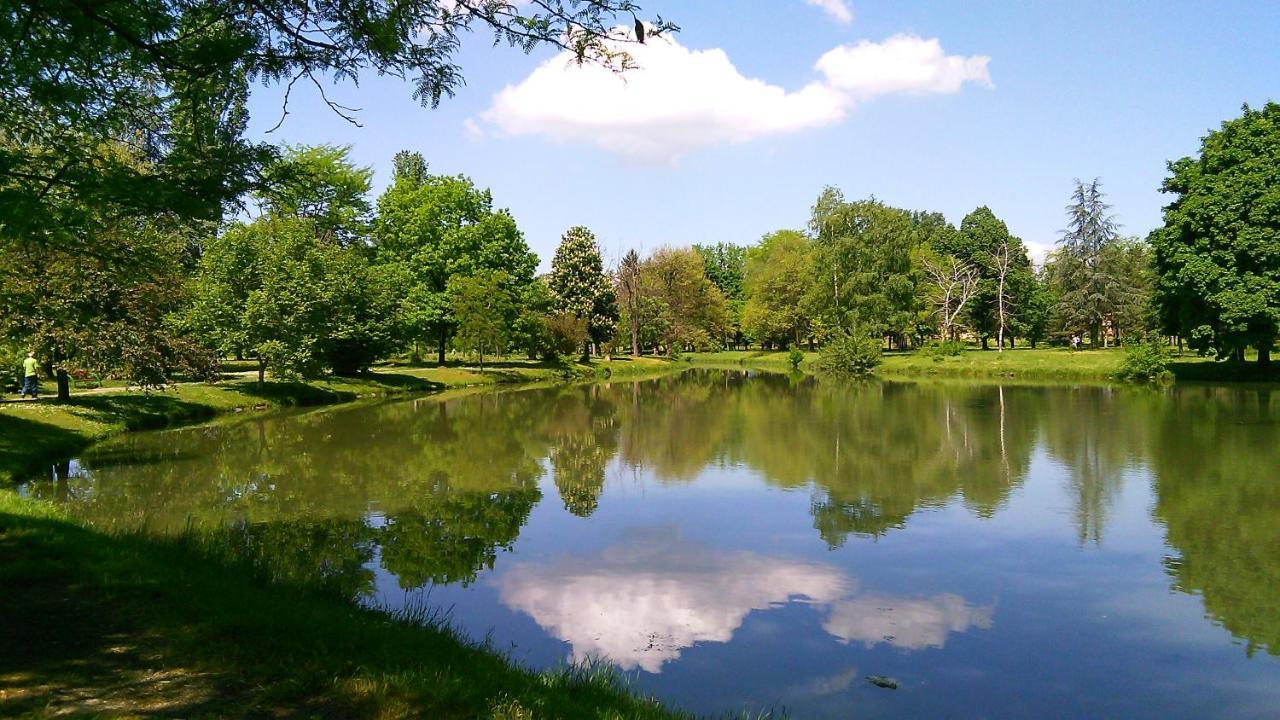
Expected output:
(1217, 257)
(951, 284)
(432, 228)
(726, 268)
(779, 275)
(580, 287)
(293, 298)
(1090, 293)
(629, 296)
(981, 237)
(863, 256)
(484, 305)
(693, 309)
(322, 183)
(103, 312)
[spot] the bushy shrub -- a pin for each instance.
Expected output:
(567, 335)
(942, 350)
(1146, 360)
(795, 357)
(853, 352)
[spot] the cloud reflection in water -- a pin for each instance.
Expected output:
(642, 601)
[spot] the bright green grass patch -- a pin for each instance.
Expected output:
(1047, 364)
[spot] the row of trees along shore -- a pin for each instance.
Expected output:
(318, 279)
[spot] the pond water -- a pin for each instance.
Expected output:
(745, 542)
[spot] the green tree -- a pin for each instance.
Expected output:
(1217, 264)
(580, 287)
(779, 273)
(628, 280)
(432, 228)
(692, 309)
(865, 274)
(726, 267)
(484, 306)
(300, 303)
(1091, 293)
(321, 183)
(105, 312)
(982, 238)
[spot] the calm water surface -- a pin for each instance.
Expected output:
(750, 542)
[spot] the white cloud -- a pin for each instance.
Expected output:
(910, 624)
(902, 63)
(837, 9)
(641, 602)
(678, 100)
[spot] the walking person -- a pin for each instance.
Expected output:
(30, 376)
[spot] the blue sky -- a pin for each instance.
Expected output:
(734, 130)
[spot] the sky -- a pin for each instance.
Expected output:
(730, 128)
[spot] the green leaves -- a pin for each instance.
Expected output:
(579, 285)
(1217, 258)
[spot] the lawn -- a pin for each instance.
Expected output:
(1047, 364)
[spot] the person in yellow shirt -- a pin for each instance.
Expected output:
(30, 376)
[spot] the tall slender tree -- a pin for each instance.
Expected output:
(629, 295)
(1090, 293)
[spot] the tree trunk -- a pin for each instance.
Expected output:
(984, 343)
(444, 338)
(635, 335)
(262, 371)
(64, 382)
(1264, 354)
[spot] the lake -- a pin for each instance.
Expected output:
(750, 541)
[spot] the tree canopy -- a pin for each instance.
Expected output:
(1217, 259)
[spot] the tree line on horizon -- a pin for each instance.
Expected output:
(318, 279)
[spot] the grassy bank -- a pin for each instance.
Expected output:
(34, 432)
(1046, 364)
(134, 626)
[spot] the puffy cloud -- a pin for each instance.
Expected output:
(678, 100)
(910, 624)
(641, 602)
(837, 9)
(902, 63)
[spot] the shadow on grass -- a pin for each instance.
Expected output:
(1225, 371)
(26, 444)
(152, 627)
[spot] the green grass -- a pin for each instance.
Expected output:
(135, 626)
(1043, 364)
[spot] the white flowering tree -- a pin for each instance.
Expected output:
(580, 287)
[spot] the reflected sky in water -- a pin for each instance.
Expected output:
(743, 542)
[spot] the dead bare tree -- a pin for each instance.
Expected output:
(1001, 261)
(954, 284)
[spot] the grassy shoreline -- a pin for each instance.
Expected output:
(34, 432)
(1022, 364)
